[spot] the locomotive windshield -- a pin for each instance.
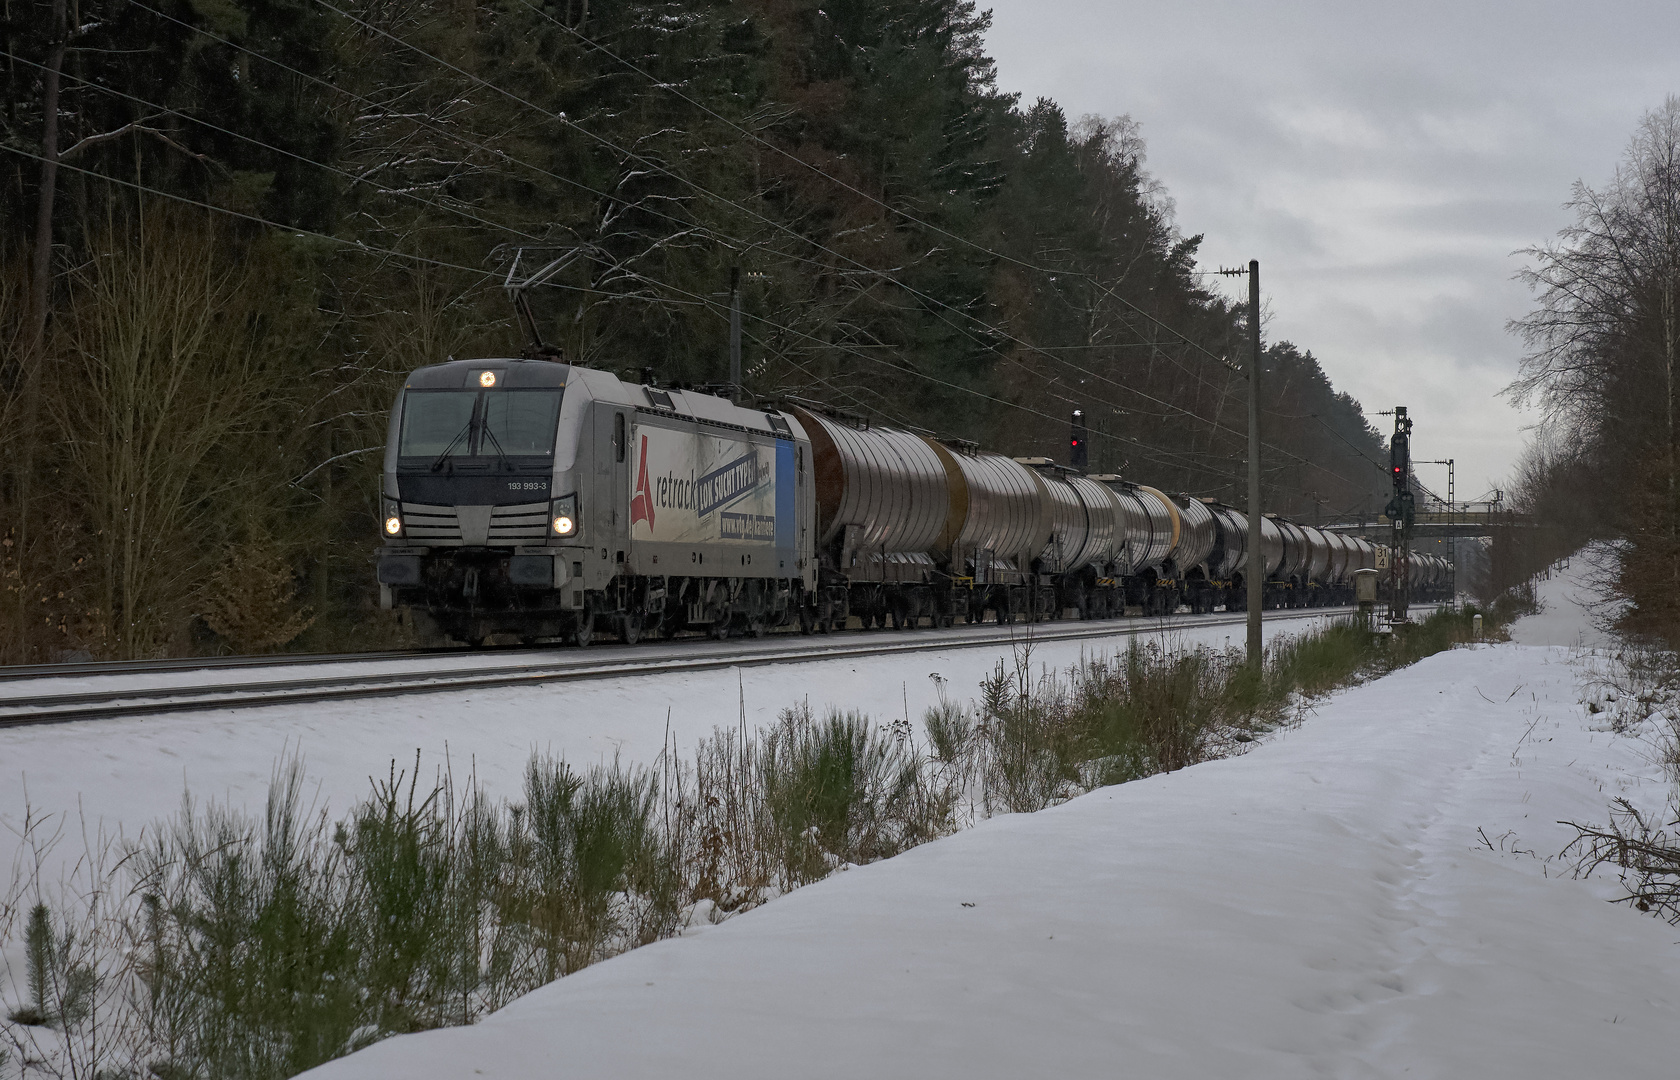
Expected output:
(479, 423)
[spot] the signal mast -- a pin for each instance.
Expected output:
(1400, 511)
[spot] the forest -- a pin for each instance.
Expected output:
(234, 225)
(1603, 343)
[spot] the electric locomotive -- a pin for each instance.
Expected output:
(541, 499)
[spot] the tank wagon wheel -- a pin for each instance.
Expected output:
(630, 628)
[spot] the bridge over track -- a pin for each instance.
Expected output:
(1441, 525)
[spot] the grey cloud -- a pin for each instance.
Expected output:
(1383, 162)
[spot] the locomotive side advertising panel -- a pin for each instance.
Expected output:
(707, 492)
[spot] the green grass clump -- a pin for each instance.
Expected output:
(1153, 708)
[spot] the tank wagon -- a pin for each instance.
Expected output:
(545, 500)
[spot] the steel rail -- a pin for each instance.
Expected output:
(94, 668)
(148, 701)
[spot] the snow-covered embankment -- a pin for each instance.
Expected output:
(1373, 894)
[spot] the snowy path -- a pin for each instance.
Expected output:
(1322, 906)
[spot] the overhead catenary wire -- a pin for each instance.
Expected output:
(780, 226)
(848, 347)
(670, 88)
(482, 274)
(457, 136)
(851, 348)
(896, 211)
(658, 166)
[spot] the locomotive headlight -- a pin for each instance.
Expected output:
(487, 379)
(393, 525)
(563, 516)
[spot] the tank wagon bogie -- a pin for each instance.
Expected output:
(540, 500)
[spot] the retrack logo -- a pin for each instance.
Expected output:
(641, 503)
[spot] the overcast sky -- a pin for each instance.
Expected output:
(1383, 162)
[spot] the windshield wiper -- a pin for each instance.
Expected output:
(501, 457)
(441, 458)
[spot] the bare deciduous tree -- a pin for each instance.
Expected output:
(1603, 349)
(160, 373)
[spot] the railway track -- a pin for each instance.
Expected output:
(167, 691)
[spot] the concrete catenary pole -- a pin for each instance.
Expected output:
(1256, 550)
(735, 334)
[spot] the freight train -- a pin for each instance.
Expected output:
(545, 500)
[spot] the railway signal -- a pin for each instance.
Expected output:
(1400, 511)
(1078, 454)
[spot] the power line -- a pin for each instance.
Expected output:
(716, 198)
(704, 191)
(1214, 425)
(460, 211)
(697, 301)
(854, 190)
(754, 136)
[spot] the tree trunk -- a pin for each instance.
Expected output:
(40, 282)
(41, 278)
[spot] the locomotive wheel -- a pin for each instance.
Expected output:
(719, 629)
(755, 626)
(807, 621)
(584, 633)
(630, 629)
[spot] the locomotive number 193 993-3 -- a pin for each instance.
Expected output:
(527, 485)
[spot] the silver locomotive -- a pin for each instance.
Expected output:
(546, 500)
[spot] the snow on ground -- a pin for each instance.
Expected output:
(1567, 604)
(117, 776)
(1373, 894)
